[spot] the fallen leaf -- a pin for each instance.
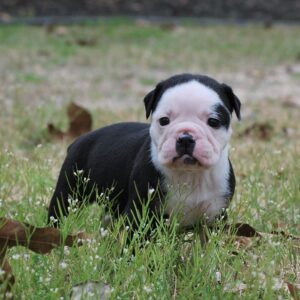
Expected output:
(55, 132)
(294, 291)
(91, 290)
(84, 41)
(242, 229)
(7, 278)
(40, 240)
(285, 235)
(262, 131)
(80, 122)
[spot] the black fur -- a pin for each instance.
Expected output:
(224, 91)
(223, 115)
(101, 156)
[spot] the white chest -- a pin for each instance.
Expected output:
(195, 197)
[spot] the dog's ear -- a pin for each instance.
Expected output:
(234, 101)
(152, 98)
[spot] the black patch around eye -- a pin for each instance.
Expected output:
(223, 115)
(214, 123)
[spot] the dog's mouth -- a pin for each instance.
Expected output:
(187, 159)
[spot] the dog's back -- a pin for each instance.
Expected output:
(91, 164)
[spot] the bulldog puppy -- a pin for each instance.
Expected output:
(182, 156)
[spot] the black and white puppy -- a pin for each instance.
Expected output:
(182, 155)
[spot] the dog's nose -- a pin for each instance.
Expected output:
(185, 144)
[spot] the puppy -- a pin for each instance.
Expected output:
(182, 156)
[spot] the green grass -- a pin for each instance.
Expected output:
(41, 72)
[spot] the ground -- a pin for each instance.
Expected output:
(108, 67)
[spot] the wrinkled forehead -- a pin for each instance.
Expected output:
(191, 96)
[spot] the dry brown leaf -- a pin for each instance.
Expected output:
(40, 240)
(294, 291)
(55, 132)
(84, 41)
(262, 131)
(285, 235)
(242, 229)
(7, 279)
(247, 236)
(80, 122)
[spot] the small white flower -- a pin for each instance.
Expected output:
(52, 219)
(66, 250)
(147, 289)
(16, 256)
(103, 232)
(278, 284)
(63, 265)
(78, 172)
(218, 276)
(9, 295)
(151, 191)
(86, 179)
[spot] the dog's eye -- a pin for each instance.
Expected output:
(214, 123)
(164, 121)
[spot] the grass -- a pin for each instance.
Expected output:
(108, 68)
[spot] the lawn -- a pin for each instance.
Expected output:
(108, 67)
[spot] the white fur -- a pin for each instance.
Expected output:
(194, 192)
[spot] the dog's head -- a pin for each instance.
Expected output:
(191, 116)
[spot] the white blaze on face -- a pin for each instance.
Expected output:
(188, 106)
